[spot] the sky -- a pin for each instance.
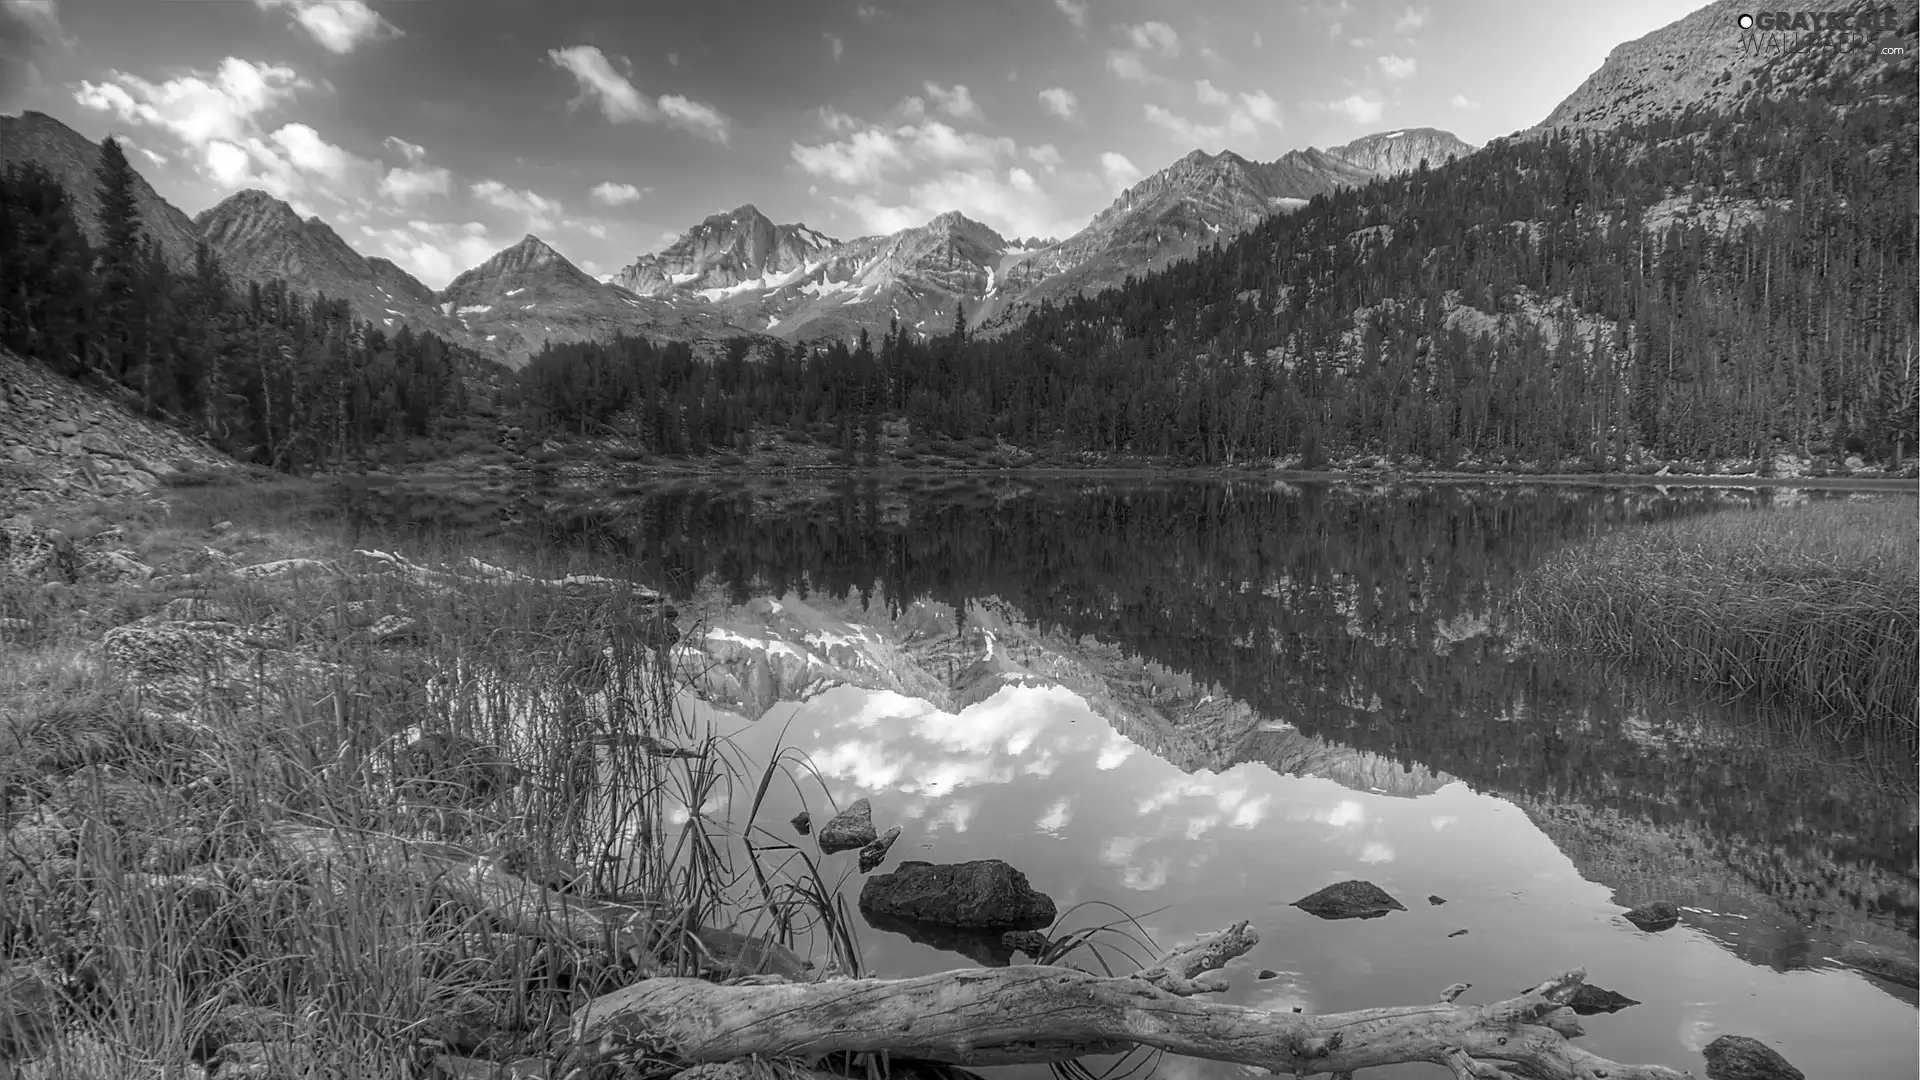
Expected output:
(436, 132)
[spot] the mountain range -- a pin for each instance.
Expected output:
(740, 273)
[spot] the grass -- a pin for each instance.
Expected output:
(1815, 606)
(140, 871)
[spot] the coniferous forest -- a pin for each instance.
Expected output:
(1711, 287)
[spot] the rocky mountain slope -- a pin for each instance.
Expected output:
(72, 159)
(529, 294)
(1168, 216)
(1706, 60)
(1389, 152)
(60, 441)
(258, 238)
(798, 283)
(725, 252)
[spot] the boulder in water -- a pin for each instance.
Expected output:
(1349, 900)
(1589, 1000)
(1654, 917)
(1737, 1057)
(850, 828)
(983, 893)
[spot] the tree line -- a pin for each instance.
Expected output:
(1705, 286)
(264, 374)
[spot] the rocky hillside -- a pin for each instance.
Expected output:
(1195, 201)
(1706, 60)
(1390, 152)
(72, 159)
(60, 440)
(530, 294)
(724, 253)
(258, 238)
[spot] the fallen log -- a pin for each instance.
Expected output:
(1037, 1014)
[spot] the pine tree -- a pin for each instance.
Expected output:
(118, 268)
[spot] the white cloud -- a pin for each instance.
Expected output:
(433, 251)
(835, 120)
(1046, 155)
(1153, 36)
(1398, 67)
(196, 107)
(1461, 101)
(218, 117)
(310, 153)
(1358, 109)
(1261, 107)
(1182, 128)
(540, 211)
(1074, 10)
(611, 194)
(1120, 172)
(1129, 65)
(413, 152)
(1210, 94)
(406, 184)
(338, 25)
(861, 158)
(955, 102)
(673, 59)
(837, 43)
(1060, 101)
(1056, 817)
(1412, 19)
(621, 103)
(153, 156)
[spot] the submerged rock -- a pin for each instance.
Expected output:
(1436, 901)
(1654, 917)
(803, 823)
(1032, 942)
(1349, 900)
(1884, 963)
(1737, 1057)
(850, 828)
(1589, 1000)
(983, 893)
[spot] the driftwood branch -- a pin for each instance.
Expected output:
(1047, 1013)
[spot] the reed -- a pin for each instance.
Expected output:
(1814, 606)
(141, 877)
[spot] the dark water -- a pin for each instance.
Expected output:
(1200, 702)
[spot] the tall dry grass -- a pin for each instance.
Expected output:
(1816, 606)
(141, 876)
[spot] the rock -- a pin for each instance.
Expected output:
(1737, 1057)
(1436, 901)
(1267, 973)
(32, 555)
(282, 568)
(115, 567)
(849, 829)
(221, 528)
(176, 648)
(803, 823)
(1590, 999)
(1457, 933)
(1883, 963)
(389, 629)
(984, 893)
(1032, 942)
(875, 853)
(460, 1021)
(1654, 917)
(1349, 900)
(96, 442)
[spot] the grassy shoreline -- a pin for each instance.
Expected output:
(190, 696)
(1817, 606)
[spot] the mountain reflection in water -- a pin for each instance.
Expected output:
(1207, 700)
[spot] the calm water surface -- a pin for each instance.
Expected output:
(1199, 702)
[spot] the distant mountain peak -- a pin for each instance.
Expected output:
(1402, 149)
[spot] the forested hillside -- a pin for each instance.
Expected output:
(264, 375)
(1709, 287)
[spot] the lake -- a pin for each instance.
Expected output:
(1197, 702)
